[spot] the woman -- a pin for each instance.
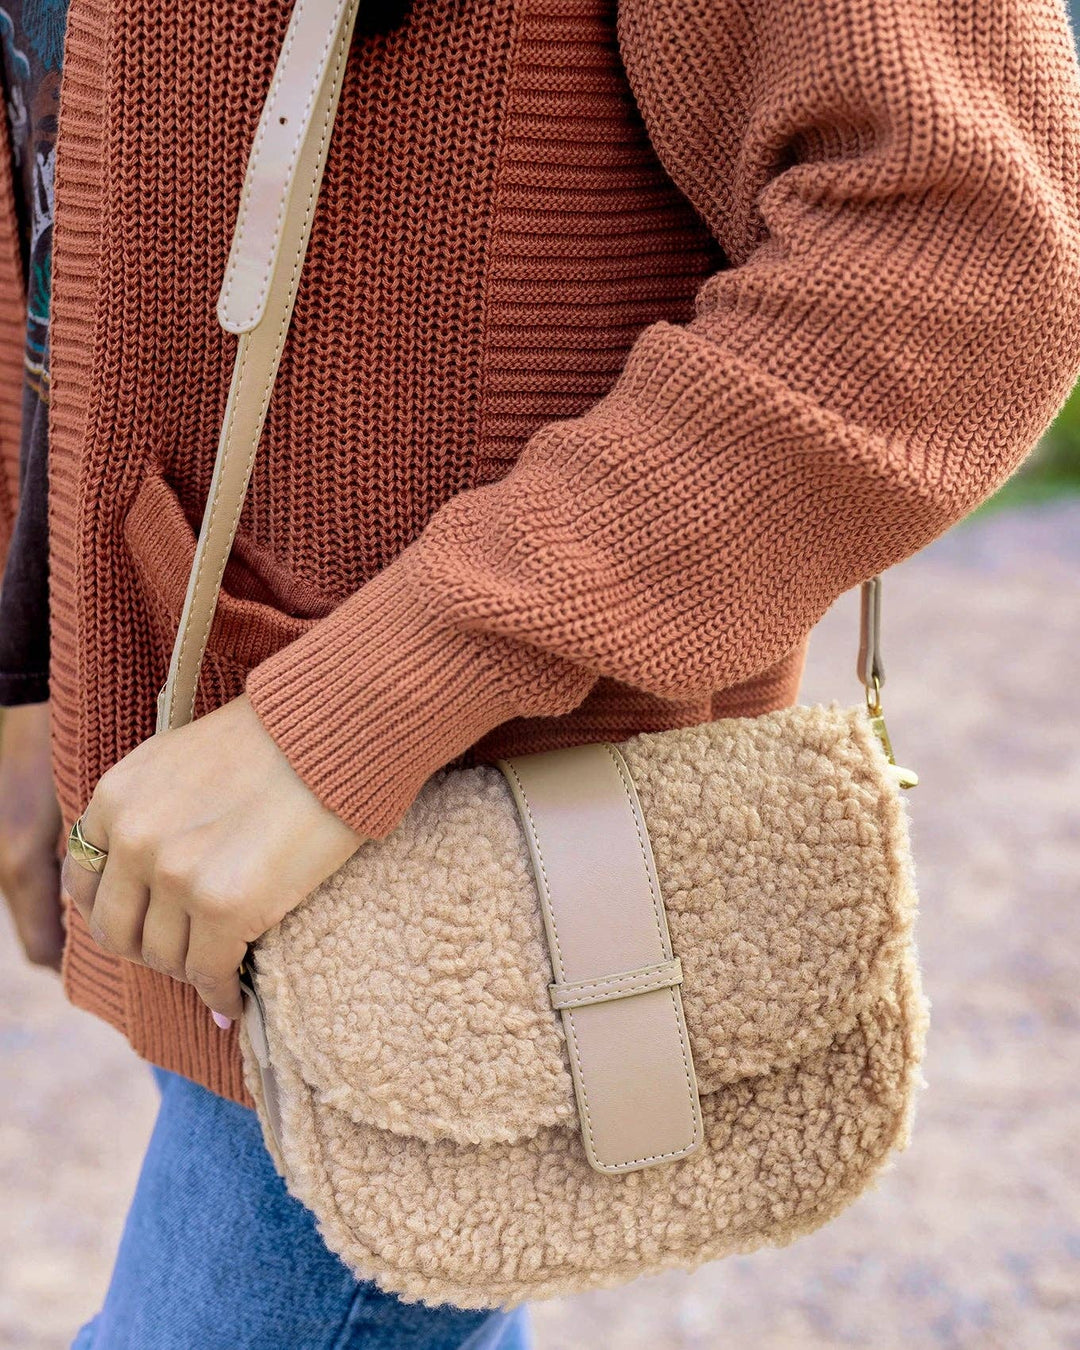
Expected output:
(630, 337)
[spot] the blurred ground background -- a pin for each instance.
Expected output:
(973, 1238)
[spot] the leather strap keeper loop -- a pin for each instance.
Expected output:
(664, 975)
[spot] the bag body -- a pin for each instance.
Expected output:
(415, 1085)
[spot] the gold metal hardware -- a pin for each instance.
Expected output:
(871, 671)
(83, 852)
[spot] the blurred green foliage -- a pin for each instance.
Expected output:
(1054, 468)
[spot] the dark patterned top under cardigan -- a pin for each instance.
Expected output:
(32, 34)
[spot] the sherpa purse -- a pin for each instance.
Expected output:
(593, 1012)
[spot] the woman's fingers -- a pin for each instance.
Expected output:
(168, 928)
(213, 966)
(80, 884)
(118, 911)
(165, 936)
(153, 904)
(79, 881)
(212, 838)
(114, 902)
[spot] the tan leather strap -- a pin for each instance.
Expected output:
(616, 982)
(298, 112)
(280, 190)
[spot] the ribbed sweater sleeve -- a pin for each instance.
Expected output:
(895, 184)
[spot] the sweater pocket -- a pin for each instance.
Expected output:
(261, 607)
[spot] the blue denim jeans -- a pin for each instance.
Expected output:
(216, 1255)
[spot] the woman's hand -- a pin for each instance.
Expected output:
(30, 833)
(212, 838)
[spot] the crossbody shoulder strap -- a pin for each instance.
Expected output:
(277, 204)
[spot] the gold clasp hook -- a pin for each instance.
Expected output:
(871, 671)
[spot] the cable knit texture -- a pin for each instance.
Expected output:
(631, 335)
(426, 1107)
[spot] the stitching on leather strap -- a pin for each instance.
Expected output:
(544, 884)
(665, 945)
(242, 215)
(624, 778)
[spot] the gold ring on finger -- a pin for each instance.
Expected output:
(85, 853)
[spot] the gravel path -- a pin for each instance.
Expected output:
(973, 1239)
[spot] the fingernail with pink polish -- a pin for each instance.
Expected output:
(223, 1022)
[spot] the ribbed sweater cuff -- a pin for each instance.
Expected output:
(384, 692)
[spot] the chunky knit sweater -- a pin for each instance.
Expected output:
(631, 335)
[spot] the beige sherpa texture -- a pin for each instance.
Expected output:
(428, 1112)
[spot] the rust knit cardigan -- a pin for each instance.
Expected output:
(632, 334)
